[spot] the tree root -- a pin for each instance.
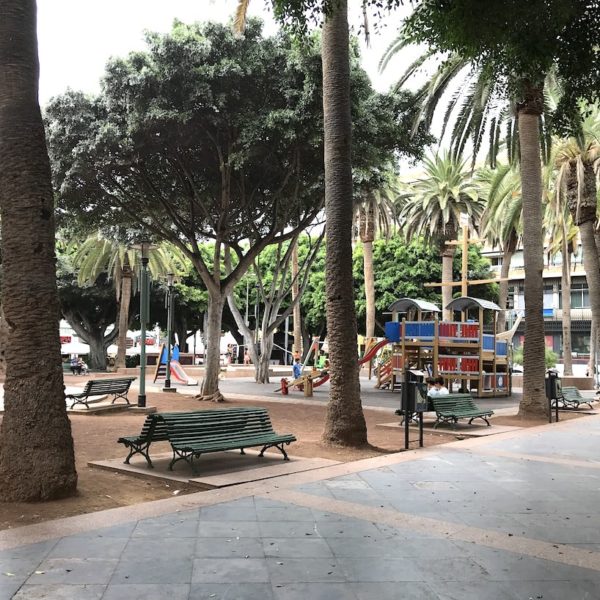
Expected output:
(216, 397)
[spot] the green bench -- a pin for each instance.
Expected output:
(195, 433)
(152, 431)
(192, 434)
(452, 407)
(571, 398)
(117, 388)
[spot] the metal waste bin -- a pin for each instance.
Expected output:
(553, 392)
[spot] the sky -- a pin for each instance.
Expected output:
(77, 37)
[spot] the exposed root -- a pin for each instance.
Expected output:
(216, 397)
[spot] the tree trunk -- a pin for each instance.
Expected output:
(534, 401)
(36, 447)
(297, 315)
(345, 423)
(97, 356)
(4, 331)
(125, 299)
(369, 288)
(262, 368)
(212, 354)
(566, 306)
(591, 264)
(591, 367)
(509, 250)
(447, 264)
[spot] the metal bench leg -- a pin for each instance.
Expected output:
(83, 401)
(242, 451)
(279, 447)
(116, 396)
(143, 450)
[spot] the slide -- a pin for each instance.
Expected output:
(373, 351)
(180, 375)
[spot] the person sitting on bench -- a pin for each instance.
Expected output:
(438, 389)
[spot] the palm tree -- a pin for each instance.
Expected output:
(481, 107)
(345, 423)
(433, 205)
(373, 214)
(98, 255)
(501, 221)
(36, 447)
(578, 159)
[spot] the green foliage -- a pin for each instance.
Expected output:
(550, 357)
(519, 43)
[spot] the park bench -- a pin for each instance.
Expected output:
(118, 388)
(192, 434)
(571, 398)
(452, 407)
(153, 430)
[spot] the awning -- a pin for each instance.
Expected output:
(404, 304)
(466, 302)
(75, 348)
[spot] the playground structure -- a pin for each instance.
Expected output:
(308, 381)
(458, 350)
(177, 371)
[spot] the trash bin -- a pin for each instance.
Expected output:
(553, 391)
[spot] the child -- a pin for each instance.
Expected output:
(440, 388)
(297, 369)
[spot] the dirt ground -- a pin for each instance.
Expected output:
(96, 437)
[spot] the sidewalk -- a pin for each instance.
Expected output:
(512, 516)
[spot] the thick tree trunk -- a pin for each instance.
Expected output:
(566, 306)
(262, 368)
(36, 448)
(591, 264)
(297, 346)
(534, 401)
(212, 367)
(345, 423)
(4, 331)
(591, 367)
(509, 250)
(369, 288)
(125, 299)
(447, 263)
(97, 356)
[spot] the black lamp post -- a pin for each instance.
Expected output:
(170, 279)
(144, 316)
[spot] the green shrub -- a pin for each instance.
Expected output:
(550, 357)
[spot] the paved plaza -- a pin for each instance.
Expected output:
(512, 516)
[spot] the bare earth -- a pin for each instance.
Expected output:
(96, 439)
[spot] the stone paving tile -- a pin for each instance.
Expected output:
(379, 570)
(231, 591)
(31, 551)
(7, 590)
(285, 513)
(161, 591)
(233, 547)
(477, 590)
(296, 548)
(74, 571)
(232, 511)
(144, 547)
(407, 590)
(315, 591)
(123, 530)
(59, 592)
(231, 570)
(184, 524)
(351, 528)
(157, 569)
(106, 547)
(305, 570)
(228, 529)
(279, 529)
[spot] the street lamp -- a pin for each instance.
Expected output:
(170, 279)
(144, 247)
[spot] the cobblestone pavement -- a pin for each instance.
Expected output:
(512, 516)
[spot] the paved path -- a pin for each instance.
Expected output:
(509, 517)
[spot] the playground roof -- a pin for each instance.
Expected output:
(404, 304)
(466, 302)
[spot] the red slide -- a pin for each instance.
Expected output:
(372, 352)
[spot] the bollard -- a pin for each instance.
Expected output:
(284, 387)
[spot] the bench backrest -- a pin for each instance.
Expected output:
(154, 430)
(108, 386)
(216, 424)
(451, 402)
(571, 392)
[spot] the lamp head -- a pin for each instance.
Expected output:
(170, 279)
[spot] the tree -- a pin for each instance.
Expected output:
(432, 207)
(101, 255)
(577, 161)
(519, 44)
(34, 399)
(230, 155)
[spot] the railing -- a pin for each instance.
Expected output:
(458, 331)
(420, 330)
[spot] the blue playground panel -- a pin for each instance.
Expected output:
(393, 330)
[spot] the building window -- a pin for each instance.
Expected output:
(580, 295)
(548, 295)
(580, 343)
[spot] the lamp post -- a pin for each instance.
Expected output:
(170, 279)
(144, 310)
